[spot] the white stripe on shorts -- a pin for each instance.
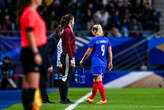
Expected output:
(66, 68)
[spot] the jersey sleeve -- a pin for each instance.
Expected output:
(29, 19)
(92, 43)
(109, 44)
(67, 33)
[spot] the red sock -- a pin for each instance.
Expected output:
(94, 90)
(101, 90)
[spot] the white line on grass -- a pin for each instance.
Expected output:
(135, 106)
(72, 106)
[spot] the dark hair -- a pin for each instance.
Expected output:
(66, 19)
(92, 29)
(59, 29)
(21, 4)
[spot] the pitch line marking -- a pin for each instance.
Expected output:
(72, 106)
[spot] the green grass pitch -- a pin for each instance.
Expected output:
(118, 99)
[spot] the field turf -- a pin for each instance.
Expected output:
(118, 99)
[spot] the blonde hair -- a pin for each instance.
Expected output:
(99, 30)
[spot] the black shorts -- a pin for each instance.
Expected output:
(67, 69)
(27, 59)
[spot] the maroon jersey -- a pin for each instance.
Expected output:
(68, 42)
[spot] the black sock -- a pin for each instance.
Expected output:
(24, 98)
(28, 98)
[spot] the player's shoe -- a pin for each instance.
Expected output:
(89, 100)
(102, 102)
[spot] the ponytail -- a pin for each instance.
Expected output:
(65, 20)
(59, 29)
(99, 30)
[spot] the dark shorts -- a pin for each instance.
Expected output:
(27, 59)
(98, 70)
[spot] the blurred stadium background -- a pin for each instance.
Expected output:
(135, 29)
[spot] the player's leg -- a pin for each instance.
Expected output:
(94, 88)
(64, 82)
(67, 69)
(95, 85)
(61, 82)
(101, 90)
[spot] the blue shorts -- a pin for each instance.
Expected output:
(98, 70)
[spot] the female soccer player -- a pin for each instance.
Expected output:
(99, 45)
(33, 39)
(67, 57)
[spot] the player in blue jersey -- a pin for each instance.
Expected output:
(99, 46)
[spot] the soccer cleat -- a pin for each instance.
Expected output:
(48, 102)
(66, 102)
(89, 100)
(102, 102)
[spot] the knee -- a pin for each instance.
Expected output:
(97, 78)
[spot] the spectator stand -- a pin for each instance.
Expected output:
(114, 14)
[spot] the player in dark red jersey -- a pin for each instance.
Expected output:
(67, 57)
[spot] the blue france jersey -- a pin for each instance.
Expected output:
(100, 49)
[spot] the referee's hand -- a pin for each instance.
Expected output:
(38, 59)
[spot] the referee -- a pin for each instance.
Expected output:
(33, 40)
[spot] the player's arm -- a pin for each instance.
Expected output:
(110, 65)
(87, 53)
